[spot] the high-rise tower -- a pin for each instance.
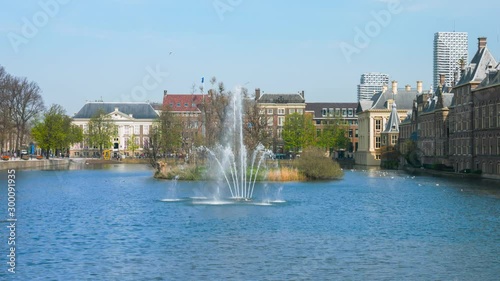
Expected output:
(450, 48)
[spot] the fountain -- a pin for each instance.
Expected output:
(238, 172)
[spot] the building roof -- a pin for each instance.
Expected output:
(492, 78)
(316, 107)
(138, 110)
(434, 102)
(281, 98)
(392, 125)
(184, 102)
(403, 98)
(482, 62)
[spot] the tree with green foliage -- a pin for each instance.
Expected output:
(101, 130)
(132, 145)
(170, 126)
(56, 131)
(333, 135)
(298, 132)
(315, 165)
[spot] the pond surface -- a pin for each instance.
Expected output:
(118, 223)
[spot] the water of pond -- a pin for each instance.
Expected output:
(118, 223)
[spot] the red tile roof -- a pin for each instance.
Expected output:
(184, 102)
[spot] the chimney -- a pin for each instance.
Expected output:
(116, 108)
(419, 87)
(302, 94)
(164, 92)
(257, 93)
(455, 78)
(407, 88)
(442, 79)
(481, 43)
(394, 86)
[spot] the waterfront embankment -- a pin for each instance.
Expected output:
(34, 164)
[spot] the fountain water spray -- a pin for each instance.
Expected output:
(231, 157)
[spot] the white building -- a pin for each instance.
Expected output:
(370, 84)
(131, 118)
(449, 49)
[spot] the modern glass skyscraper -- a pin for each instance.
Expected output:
(449, 49)
(371, 83)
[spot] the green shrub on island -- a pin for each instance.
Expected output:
(315, 165)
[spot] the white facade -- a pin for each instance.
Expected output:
(370, 84)
(449, 49)
(127, 127)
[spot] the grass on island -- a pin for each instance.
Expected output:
(312, 165)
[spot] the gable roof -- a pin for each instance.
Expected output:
(482, 62)
(138, 110)
(392, 125)
(281, 98)
(402, 97)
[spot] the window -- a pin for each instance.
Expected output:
(281, 120)
(498, 114)
(330, 112)
(186, 104)
(171, 104)
(323, 112)
(378, 125)
(337, 112)
(357, 133)
(344, 112)
(377, 142)
(291, 111)
(300, 111)
(394, 139)
(377, 157)
(279, 133)
(127, 130)
(350, 133)
(281, 111)
(145, 129)
(349, 112)
(137, 130)
(269, 121)
(269, 111)
(262, 111)
(178, 104)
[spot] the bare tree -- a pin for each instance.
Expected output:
(214, 112)
(255, 128)
(5, 120)
(26, 103)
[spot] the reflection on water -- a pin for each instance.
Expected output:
(115, 222)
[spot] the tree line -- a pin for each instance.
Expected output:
(20, 104)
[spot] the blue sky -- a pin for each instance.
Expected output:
(132, 50)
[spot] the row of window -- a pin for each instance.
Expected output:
(281, 111)
(178, 104)
(337, 112)
(126, 129)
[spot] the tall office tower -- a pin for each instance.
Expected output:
(370, 84)
(449, 49)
